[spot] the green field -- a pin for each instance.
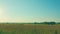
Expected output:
(29, 29)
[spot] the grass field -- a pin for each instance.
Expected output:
(29, 29)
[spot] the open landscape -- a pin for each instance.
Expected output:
(24, 28)
(29, 16)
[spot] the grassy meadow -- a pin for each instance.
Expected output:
(17, 28)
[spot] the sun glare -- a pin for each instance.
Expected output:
(1, 9)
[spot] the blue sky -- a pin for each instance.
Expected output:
(29, 10)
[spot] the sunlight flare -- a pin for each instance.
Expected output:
(1, 9)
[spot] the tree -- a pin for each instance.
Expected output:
(35, 22)
(50, 23)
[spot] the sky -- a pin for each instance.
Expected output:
(29, 10)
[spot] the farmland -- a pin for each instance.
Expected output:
(29, 29)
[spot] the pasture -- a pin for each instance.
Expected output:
(29, 29)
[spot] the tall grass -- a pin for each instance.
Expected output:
(29, 29)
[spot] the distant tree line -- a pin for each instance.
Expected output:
(49, 23)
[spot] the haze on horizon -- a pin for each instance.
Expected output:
(29, 10)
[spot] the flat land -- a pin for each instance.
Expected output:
(29, 29)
